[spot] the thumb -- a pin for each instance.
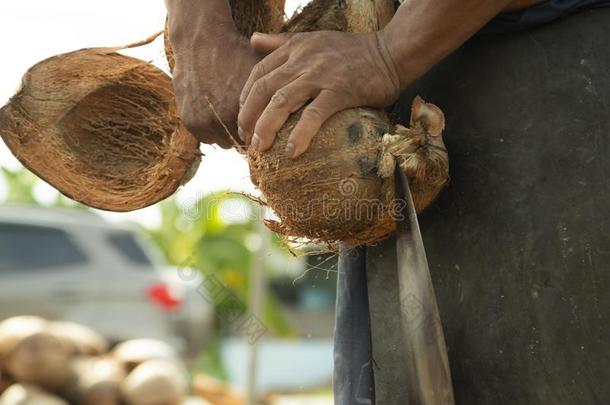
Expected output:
(267, 43)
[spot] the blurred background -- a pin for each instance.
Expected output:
(197, 271)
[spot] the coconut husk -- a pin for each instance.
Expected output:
(102, 128)
(342, 188)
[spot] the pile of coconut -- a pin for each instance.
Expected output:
(103, 129)
(61, 363)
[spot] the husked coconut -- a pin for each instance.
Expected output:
(342, 187)
(132, 353)
(23, 394)
(96, 381)
(40, 359)
(102, 128)
(80, 339)
(155, 382)
(14, 330)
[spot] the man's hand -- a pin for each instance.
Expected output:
(335, 70)
(213, 63)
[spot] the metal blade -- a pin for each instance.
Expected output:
(424, 343)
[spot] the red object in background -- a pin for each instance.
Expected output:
(163, 296)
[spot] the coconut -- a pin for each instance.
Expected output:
(40, 359)
(132, 353)
(342, 187)
(14, 330)
(22, 394)
(79, 339)
(102, 128)
(155, 382)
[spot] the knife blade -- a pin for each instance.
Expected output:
(428, 373)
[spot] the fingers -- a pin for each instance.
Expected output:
(283, 103)
(312, 118)
(260, 96)
(260, 70)
(267, 43)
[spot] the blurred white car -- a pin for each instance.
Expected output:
(72, 265)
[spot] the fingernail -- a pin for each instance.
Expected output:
(254, 144)
(290, 149)
(241, 134)
(257, 34)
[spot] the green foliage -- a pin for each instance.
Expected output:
(213, 235)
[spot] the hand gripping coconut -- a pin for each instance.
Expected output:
(342, 188)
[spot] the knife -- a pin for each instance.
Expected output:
(427, 368)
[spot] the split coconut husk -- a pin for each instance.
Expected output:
(342, 187)
(102, 128)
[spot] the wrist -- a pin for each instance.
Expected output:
(193, 20)
(385, 63)
(405, 56)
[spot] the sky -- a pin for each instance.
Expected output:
(33, 30)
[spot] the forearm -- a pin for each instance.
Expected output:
(422, 33)
(187, 18)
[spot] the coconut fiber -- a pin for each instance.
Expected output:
(102, 128)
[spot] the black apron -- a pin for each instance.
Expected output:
(519, 243)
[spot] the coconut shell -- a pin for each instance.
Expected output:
(23, 394)
(342, 187)
(102, 128)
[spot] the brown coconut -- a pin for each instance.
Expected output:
(102, 128)
(342, 188)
